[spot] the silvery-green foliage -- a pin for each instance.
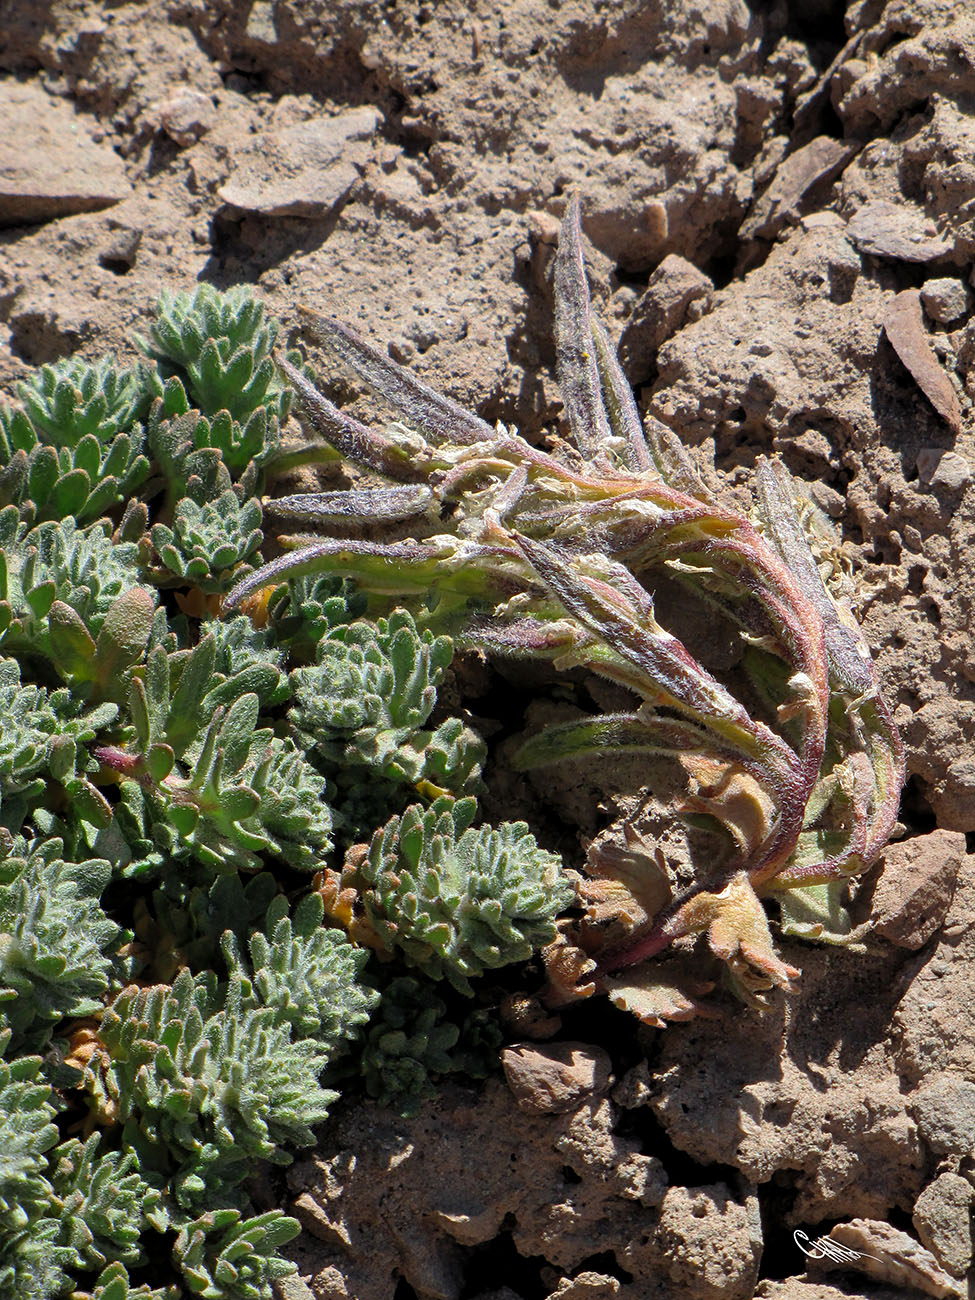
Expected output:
(178, 436)
(408, 1046)
(81, 480)
(208, 542)
(193, 918)
(27, 1133)
(55, 939)
(366, 700)
(76, 449)
(101, 1203)
(221, 345)
(59, 564)
(206, 1083)
(34, 1265)
(308, 974)
(200, 778)
(113, 1283)
(17, 434)
(76, 399)
(94, 1212)
(242, 792)
(458, 901)
(303, 610)
(239, 645)
(181, 690)
(224, 1256)
(43, 735)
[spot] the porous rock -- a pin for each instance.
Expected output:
(555, 1077)
(943, 1221)
(935, 1019)
(706, 1243)
(676, 292)
(913, 894)
(587, 1286)
(566, 1188)
(850, 1139)
(800, 1288)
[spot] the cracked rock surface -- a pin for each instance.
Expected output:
(779, 208)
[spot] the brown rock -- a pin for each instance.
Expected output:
(935, 1028)
(944, 1108)
(942, 1218)
(555, 1078)
(800, 177)
(306, 169)
(912, 896)
(904, 327)
(411, 1197)
(896, 230)
(801, 1288)
(49, 164)
(888, 1255)
(676, 292)
(709, 1247)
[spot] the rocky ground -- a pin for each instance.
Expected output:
(779, 201)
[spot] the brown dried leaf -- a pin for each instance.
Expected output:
(904, 327)
(628, 882)
(340, 898)
(733, 798)
(659, 993)
(739, 934)
(568, 969)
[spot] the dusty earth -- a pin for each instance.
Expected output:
(780, 206)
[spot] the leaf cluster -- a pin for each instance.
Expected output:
(175, 1005)
(415, 1040)
(76, 446)
(367, 699)
(457, 901)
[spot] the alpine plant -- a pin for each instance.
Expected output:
(522, 552)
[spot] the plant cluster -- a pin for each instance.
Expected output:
(176, 1003)
(520, 552)
(240, 862)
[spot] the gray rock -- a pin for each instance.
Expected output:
(944, 300)
(943, 469)
(897, 231)
(186, 115)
